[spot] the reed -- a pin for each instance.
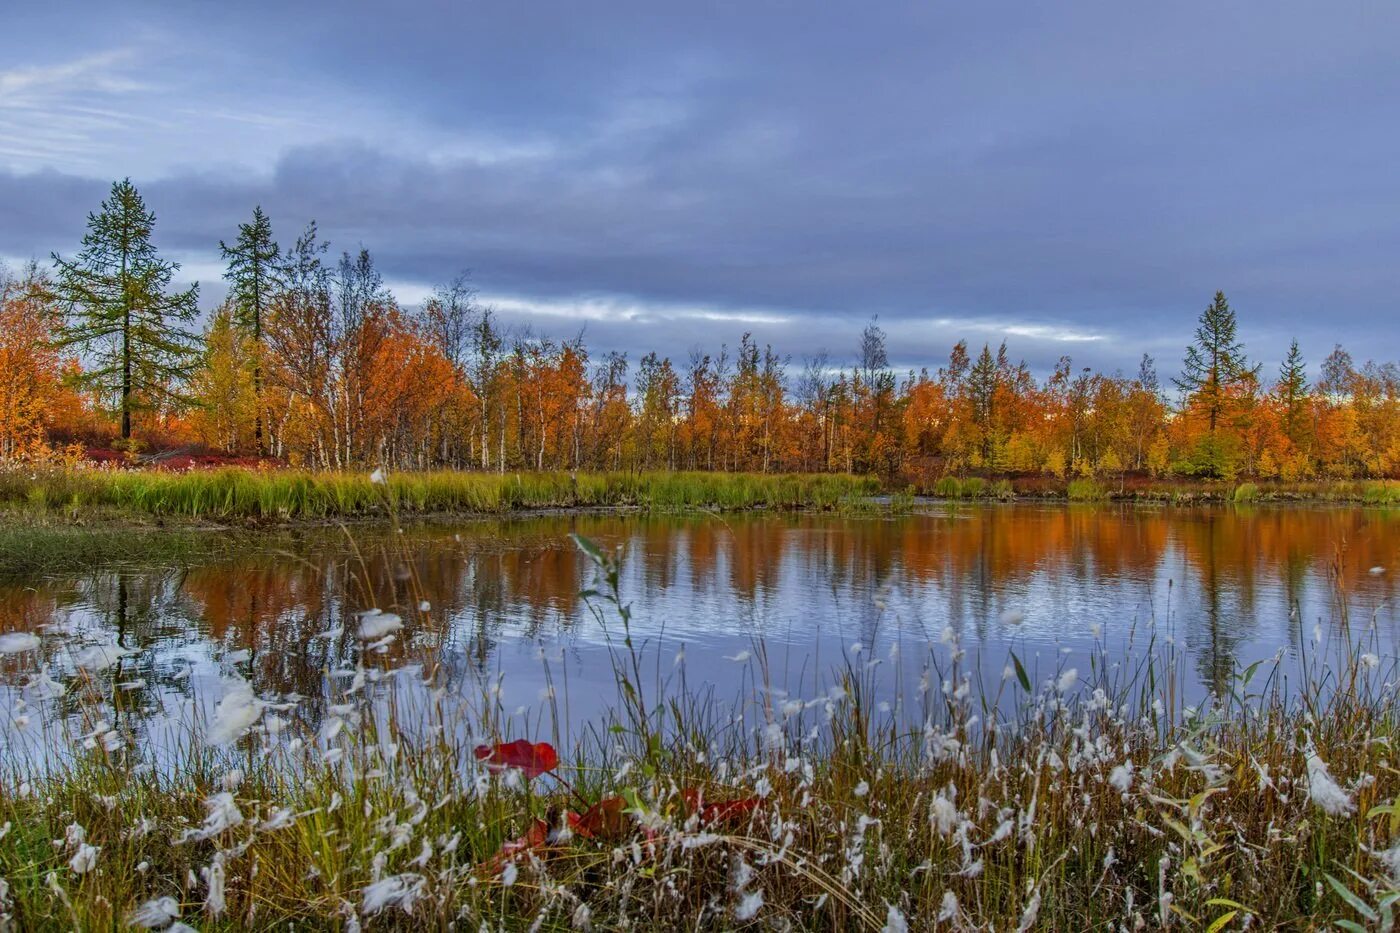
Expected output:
(284, 495)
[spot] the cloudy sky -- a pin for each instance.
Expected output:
(1073, 177)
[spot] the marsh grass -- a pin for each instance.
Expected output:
(41, 549)
(283, 495)
(1093, 799)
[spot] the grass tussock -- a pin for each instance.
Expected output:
(281, 495)
(1083, 800)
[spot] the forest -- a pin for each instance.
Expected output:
(311, 362)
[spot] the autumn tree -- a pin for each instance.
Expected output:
(133, 330)
(254, 277)
(658, 392)
(31, 390)
(299, 342)
(226, 396)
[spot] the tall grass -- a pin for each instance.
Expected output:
(1099, 801)
(1085, 490)
(277, 495)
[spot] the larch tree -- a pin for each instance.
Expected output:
(254, 276)
(119, 311)
(1216, 366)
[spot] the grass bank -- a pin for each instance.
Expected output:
(1169, 490)
(1083, 800)
(236, 494)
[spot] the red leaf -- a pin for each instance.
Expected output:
(536, 836)
(723, 811)
(603, 820)
(534, 758)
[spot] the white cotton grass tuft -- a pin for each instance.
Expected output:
(1067, 680)
(220, 813)
(1370, 661)
(402, 890)
(948, 910)
(375, 624)
(1324, 791)
(1012, 617)
(17, 642)
(748, 906)
(1121, 777)
(155, 914)
(85, 859)
(235, 714)
(378, 478)
(894, 920)
(1031, 912)
(214, 878)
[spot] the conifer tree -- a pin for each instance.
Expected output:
(134, 333)
(1292, 392)
(1215, 367)
(254, 275)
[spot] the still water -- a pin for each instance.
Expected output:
(728, 603)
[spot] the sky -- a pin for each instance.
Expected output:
(1075, 178)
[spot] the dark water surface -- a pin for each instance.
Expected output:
(806, 593)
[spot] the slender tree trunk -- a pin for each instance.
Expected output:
(126, 357)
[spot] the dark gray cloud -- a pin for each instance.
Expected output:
(669, 175)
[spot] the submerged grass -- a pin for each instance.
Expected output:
(41, 549)
(1099, 801)
(281, 495)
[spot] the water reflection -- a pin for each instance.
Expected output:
(1230, 585)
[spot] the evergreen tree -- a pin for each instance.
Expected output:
(119, 313)
(1215, 368)
(254, 275)
(1292, 393)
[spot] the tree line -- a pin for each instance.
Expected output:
(310, 360)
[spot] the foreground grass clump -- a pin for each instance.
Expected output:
(1071, 802)
(235, 493)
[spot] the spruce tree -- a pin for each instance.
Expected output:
(134, 333)
(254, 275)
(1292, 392)
(1215, 366)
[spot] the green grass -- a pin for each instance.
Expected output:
(1085, 490)
(36, 550)
(286, 495)
(1246, 492)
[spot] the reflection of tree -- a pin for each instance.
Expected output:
(522, 577)
(1218, 662)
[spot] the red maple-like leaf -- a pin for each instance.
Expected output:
(723, 811)
(533, 758)
(604, 820)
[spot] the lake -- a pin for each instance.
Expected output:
(733, 605)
